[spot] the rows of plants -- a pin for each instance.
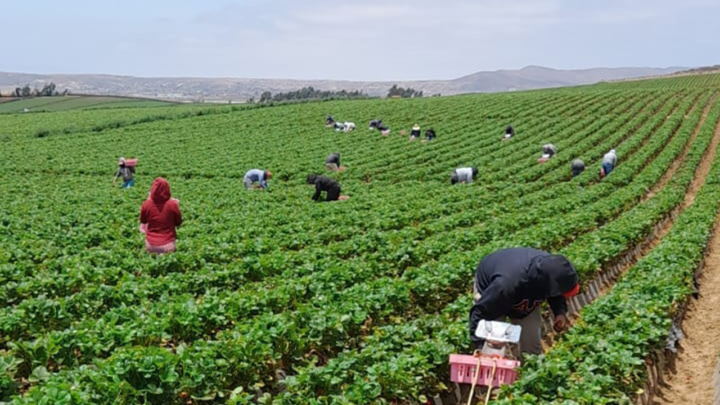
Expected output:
(158, 286)
(315, 282)
(428, 341)
(602, 359)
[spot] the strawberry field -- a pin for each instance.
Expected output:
(272, 298)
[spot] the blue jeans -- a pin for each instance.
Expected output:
(607, 168)
(129, 183)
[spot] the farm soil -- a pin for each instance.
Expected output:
(647, 245)
(697, 182)
(692, 380)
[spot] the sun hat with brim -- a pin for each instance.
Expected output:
(416, 127)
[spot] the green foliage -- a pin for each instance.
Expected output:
(356, 302)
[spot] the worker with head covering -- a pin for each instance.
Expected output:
(608, 163)
(159, 216)
(329, 121)
(257, 178)
(348, 126)
(577, 166)
(514, 283)
(463, 175)
(415, 132)
(126, 172)
(332, 162)
(548, 151)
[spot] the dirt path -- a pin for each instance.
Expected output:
(693, 380)
(662, 228)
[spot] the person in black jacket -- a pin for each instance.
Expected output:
(430, 134)
(323, 183)
(509, 132)
(514, 283)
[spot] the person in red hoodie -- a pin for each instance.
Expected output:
(159, 216)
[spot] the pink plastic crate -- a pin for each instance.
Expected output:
(462, 370)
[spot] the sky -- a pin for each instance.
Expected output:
(352, 39)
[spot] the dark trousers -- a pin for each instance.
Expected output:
(333, 194)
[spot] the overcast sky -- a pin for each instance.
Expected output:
(352, 39)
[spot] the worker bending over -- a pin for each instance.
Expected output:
(326, 184)
(257, 179)
(514, 283)
(608, 163)
(509, 132)
(463, 175)
(577, 166)
(415, 132)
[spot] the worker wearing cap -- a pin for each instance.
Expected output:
(415, 132)
(258, 176)
(514, 283)
(126, 172)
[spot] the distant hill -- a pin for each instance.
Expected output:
(224, 89)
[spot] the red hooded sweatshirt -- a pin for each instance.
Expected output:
(161, 214)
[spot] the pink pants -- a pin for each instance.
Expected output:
(167, 248)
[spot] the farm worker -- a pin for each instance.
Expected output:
(514, 283)
(332, 162)
(374, 124)
(463, 175)
(509, 132)
(323, 183)
(577, 166)
(159, 216)
(258, 176)
(430, 134)
(608, 163)
(549, 151)
(415, 133)
(329, 121)
(383, 129)
(126, 172)
(349, 126)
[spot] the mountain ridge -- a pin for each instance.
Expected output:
(239, 89)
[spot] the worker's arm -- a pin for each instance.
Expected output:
(143, 215)
(558, 305)
(117, 174)
(178, 214)
(316, 197)
(493, 304)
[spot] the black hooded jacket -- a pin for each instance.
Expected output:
(333, 158)
(322, 183)
(514, 282)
